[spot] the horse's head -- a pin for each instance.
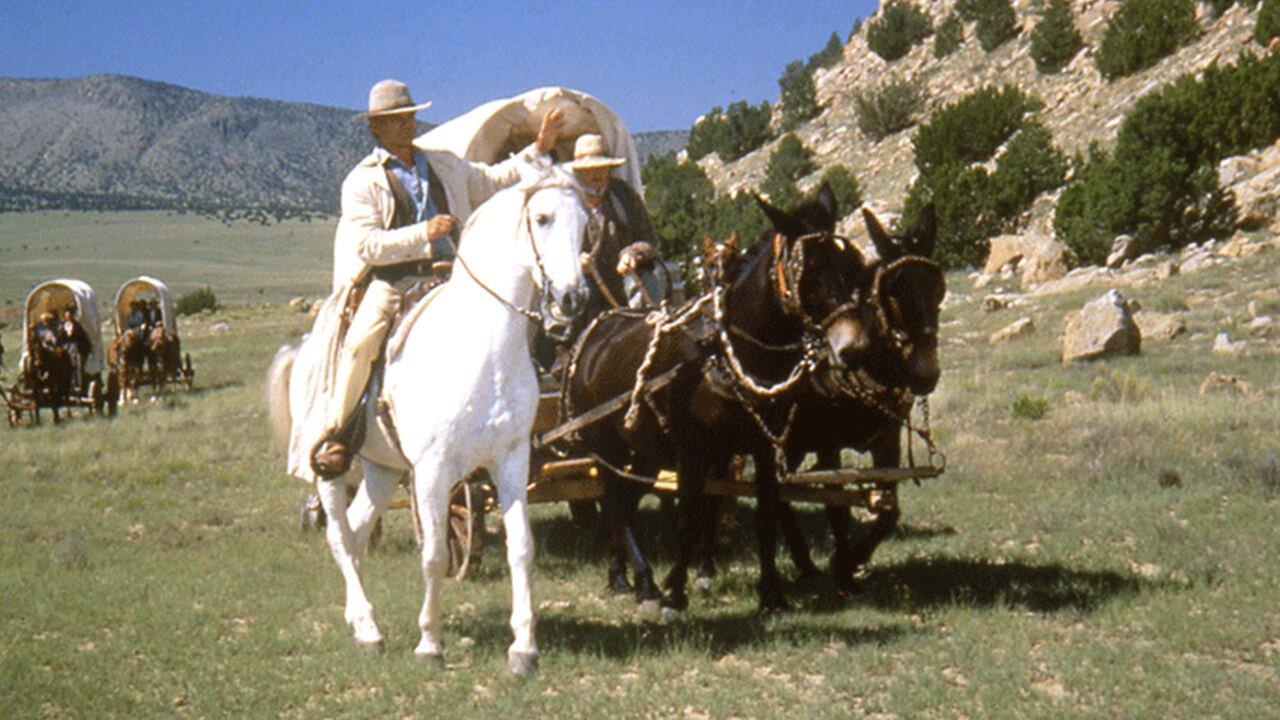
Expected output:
(721, 261)
(816, 274)
(556, 223)
(906, 290)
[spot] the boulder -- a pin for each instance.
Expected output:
(1044, 260)
(1103, 328)
(1123, 249)
(1222, 345)
(1005, 250)
(1157, 326)
(1260, 325)
(1167, 269)
(1021, 327)
(1258, 196)
(300, 304)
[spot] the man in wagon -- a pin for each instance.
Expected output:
(401, 205)
(74, 340)
(622, 260)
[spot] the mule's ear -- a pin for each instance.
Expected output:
(731, 244)
(886, 248)
(827, 199)
(782, 222)
(925, 232)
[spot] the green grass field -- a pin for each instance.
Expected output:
(151, 565)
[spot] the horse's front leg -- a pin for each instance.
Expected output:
(772, 598)
(512, 479)
(432, 482)
(885, 454)
(359, 611)
(371, 500)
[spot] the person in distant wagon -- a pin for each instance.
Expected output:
(45, 331)
(74, 340)
(155, 318)
(620, 236)
(137, 319)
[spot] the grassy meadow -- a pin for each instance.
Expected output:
(1113, 558)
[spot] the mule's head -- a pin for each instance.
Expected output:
(906, 291)
(556, 224)
(817, 274)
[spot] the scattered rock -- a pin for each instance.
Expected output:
(1045, 261)
(1000, 301)
(1157, 326)
(1241, 245)
(300, 304)
(1076, 279)
(1103, 328)
(1230, 384)
(1222, 345)
(1123, 248)
(1021, 327)
(1167, 269)
(983, 280)
(1260, 325)
(1005, 250)
(219, 327)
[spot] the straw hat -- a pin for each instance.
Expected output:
(390, 97)
(589, 153)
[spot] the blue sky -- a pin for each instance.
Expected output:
(659, 64)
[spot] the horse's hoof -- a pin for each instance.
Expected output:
(619, 586)
(522, 664)
(371, 647)
(434, 661)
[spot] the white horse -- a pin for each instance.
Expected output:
(462, 392)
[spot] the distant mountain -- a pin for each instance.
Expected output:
(109, 141)
(660, 142)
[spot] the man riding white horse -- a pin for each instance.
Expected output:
(401, 206)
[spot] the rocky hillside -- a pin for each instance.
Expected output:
(111, 141)
(1080, 105)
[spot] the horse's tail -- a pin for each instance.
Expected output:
(277, 391)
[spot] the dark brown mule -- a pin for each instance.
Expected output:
(737, 355)
(864, 405)
(49, 373)
(164, 356)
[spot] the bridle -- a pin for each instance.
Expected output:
(897, 338)
(543, 280)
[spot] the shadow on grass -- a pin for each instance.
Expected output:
(921, 583)
(713, 636)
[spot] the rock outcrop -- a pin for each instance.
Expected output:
(1103, 328)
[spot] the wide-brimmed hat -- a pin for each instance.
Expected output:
(390, 97)
(589, 152)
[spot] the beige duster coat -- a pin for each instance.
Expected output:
(361, 242)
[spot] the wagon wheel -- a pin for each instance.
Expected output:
(465, 530)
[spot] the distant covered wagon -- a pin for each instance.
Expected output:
(147, 349)
(62, 354)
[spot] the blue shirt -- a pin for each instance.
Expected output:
(415, 181)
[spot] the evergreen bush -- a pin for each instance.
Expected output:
(889, 108)
(996, 21)
(1142, 32)
(799, 99)
(827, 56)
(1160, 183)
(844, 185)
(679, 196)
(197, 301)
(900, 26)
(790, 161)
(732, 133)
(1055, 40)
(1268, 25)
(972, 128)
(949, 36)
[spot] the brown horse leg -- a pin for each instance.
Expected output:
(615, 522)
(838, 519)
(692, 519)
(768, 517)
(885, 454)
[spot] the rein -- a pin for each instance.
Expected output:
(532, 315)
